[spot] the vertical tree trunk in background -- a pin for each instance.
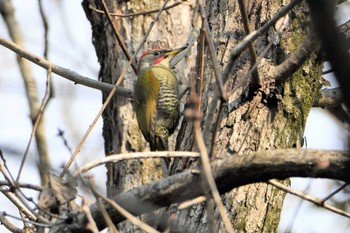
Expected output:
(44, 165)
(263, 120)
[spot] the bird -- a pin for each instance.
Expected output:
(156, 97)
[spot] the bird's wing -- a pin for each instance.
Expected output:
(167, 109)
(146, 95)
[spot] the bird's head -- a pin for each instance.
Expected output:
(157, 56)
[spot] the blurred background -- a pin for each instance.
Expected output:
(73, 108)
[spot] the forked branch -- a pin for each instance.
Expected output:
(229, 173)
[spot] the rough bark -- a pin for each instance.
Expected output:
(271, 117)
(228, 172)
(268, 117)
(120, 130)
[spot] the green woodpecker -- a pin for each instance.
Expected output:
(156, 97)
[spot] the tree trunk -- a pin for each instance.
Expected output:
(272, 115)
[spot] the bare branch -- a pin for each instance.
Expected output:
(44, 161)
(333, 42)
(334, 193)
(195, 201)
(309, 198)
(91, 226)
(189, 43)
(22, 185)
(16, 196)
(137, 155)
(64, 72)
(253, 57)
(26, 221)
(208, 175)
(11, 227)
(229, 173)
(329, 97)
(134, 220)
(281, 72)
(118, 36)
(111, 227)
(136, 14)
(19, 204)
(212, 51)
(249, 39)
(46, 29)
(11, 196)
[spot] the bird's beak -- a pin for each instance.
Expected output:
(174, 51)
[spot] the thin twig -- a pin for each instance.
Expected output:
(6, 175)
(109, 97)
(12, 194)
(195, 201)
(27, 221)
(46, 40)
(20, 195)
(46, 29)
(205, 158)
(128, 156)
(92, 224)
(45, 165)
(278, 73)
(217, 70)
(110, 224)
(209, 176)
(252, 52)
(9, 226)
(19, 204)
(143, 226)
(64, 72)
(118, 36)
(255, 65)
(16, 197)
(216, 129)
(334, 44)
(111, 227)
(284, 70)
(314, 200)
(189, 43)
(65, 141)
(10, 178)
(199, 90)
(195, 97)
(22, 185)
(137, 222)
(327, 71)
(249, 39)
(333, 193)
(297, 208)
(134, 14)
(212, 51)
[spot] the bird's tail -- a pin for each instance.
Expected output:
(160, 143)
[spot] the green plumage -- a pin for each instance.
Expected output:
(157, 104)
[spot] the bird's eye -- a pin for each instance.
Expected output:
(156, 53)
